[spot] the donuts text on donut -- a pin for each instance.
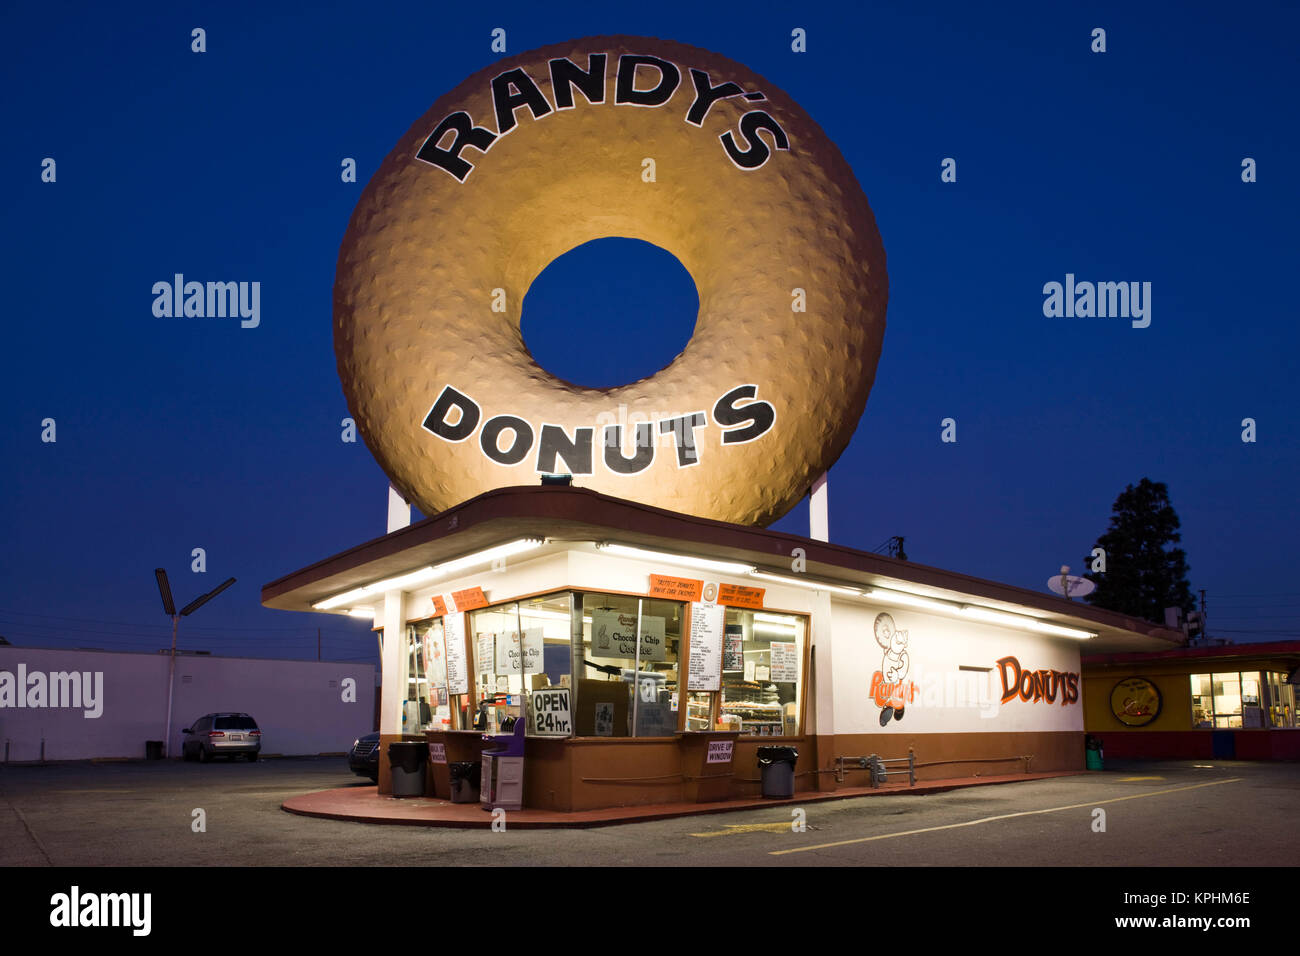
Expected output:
(515, 89)
(740, 424)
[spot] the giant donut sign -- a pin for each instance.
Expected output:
(544, 151)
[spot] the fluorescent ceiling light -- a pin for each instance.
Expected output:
(904, 589)
(490, 554)
(994, 617)
(707, 564)
(781, 619)
(1043, 627)
(347, 597)
(428, 574)
(1022, 621)
(805, 583)
(910, 600)
(402, 581)
(368, 612)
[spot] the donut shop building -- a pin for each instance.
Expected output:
(524, 604)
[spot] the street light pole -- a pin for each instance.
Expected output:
(165, 590)
(171, 686)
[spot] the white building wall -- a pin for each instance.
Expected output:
(944, 699)
(298, 704)
(947, 699)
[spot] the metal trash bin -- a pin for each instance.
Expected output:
(776, 767)
(465, 776)
(407, 761)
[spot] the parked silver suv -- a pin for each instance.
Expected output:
(222, 735)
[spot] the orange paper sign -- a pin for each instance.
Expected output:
(737, 595)
(679, 589)
(469, 599)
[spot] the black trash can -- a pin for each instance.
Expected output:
(776, 767)
(407, 760)
(465, 776)
(153, 749)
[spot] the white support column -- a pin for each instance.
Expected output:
(819, 519)
(823, 709)
(399, 511)
(394, 681)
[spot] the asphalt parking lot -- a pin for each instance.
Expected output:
(1176, 813)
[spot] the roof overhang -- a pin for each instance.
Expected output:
(567, 514)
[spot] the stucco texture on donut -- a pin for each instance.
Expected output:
(423, 253)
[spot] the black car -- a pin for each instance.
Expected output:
(363, 758)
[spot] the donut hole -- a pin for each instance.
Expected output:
(609, 312)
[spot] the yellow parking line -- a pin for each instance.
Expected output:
(1004, 816)
(748, 828)
(1135, 779)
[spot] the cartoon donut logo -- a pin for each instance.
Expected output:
(542, 152)
(710, 592)
(889, 685)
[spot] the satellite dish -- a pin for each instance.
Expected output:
(1070, 585)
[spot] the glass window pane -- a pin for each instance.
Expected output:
(1250, 689)
(764, 698)
(234, 723)
(517, 648)
(1202, 701)
(1227, 695)
(606, 703)
(417, 714)
(699, 707)
(1285, 704)
(435, 689)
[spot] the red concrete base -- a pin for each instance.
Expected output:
(1199, 745)
(366, 805)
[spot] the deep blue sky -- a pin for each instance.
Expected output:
(178, 434)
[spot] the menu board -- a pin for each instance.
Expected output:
(613, 635)
(485, 654)
(516, 656)
(733, 648)
(453, 629)
(785, 662)
(705, 668)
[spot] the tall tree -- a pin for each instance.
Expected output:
(1144, 573)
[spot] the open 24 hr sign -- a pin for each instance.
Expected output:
(551, 712)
